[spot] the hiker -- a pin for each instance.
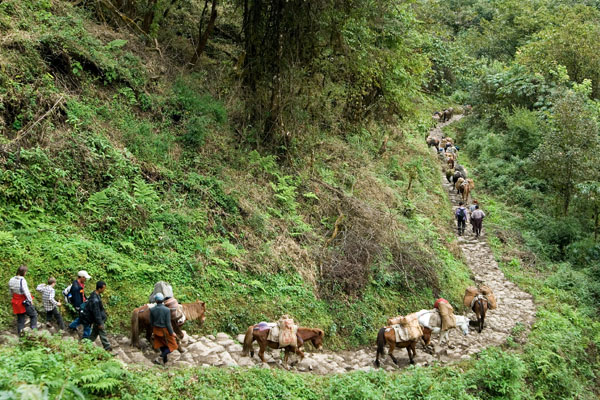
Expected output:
(477, 217)
(77, 299)
(22, 301)
(162, 330)
(461, 218)
(50, 303)
(472, 207)
(94, 314)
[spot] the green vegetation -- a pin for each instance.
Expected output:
(139, 175)
(284, 170)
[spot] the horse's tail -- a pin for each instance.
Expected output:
(248, 339)
(481, 316)
(380, 345)
(135, 328)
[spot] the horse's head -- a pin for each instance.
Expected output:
(317, 339)
(426, 335)
(195, 311)
(463, 323)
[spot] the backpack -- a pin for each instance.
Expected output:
(67, 294)
(460, 212)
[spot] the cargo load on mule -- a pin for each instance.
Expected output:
(406, 327)
(472, 292)
(447, 315)
(489, 295)
(284, 332)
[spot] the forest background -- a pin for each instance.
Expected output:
(269, 157)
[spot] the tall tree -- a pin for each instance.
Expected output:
(568, 153)
(203, 34)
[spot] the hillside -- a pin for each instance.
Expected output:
(269, 158)
(136, 174)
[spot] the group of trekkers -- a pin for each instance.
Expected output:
(88, 312)
(456, 173)
(474, 214)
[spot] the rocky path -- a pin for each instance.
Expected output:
(515, 310)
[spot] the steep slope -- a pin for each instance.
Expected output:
(115, 161)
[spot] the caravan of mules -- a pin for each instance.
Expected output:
(399, 332)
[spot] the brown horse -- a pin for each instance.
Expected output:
(387, 335)
(432, 142)
(480, 306)
(140, 319)
(468, 185)
(314, 335)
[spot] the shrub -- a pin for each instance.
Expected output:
(498, 374)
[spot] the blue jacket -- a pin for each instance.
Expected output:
(77, 295)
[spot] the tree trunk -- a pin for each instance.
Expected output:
(149, 16)
(273, 121)
(203, 37)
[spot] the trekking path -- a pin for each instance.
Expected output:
(514, 307)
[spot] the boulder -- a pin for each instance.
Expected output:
(228, 360)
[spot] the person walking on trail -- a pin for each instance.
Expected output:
(477, 217)
(77, 300)
(22, 301)
(94, 314)
(50, 303)
(461, 218)
(472, 206)
(162, 330)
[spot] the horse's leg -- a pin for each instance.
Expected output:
(300, 354)
(392, 345)
(443, 335)
(482, 317)
(412, 352)
(261, 351)
(149, 335)
(286, 355)
(178, 337)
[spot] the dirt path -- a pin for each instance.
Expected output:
(515, 308)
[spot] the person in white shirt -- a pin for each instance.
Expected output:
(22, 301)
(50, 303)
(477, 217)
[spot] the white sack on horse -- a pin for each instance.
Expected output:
(161, 287)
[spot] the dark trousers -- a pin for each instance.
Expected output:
(29, 312)
(96, 331)
(164, 351)
(477, 226)
(54, 313)
(462, 224)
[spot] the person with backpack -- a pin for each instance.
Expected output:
(461, 218)
(477, 217)
(50, 303)
(22, 301)
(94, 315)
(76, 297)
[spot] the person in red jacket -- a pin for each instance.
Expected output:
(22, 301)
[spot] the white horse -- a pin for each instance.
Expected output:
(431, 319)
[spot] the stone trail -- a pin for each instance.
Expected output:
(514, 307)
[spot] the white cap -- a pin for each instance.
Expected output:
(84, 274)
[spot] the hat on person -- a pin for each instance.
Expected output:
(84, 274)
(159, 297)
